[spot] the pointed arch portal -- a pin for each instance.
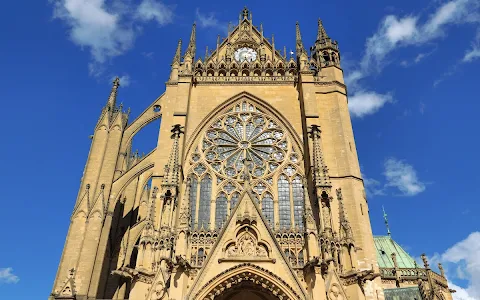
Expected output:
(246, 282)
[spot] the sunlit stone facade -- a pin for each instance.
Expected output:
(254, 190)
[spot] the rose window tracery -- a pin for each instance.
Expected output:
(245, 135)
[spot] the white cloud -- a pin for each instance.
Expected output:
(402, 176)
(395, 32)
(364, 103)
(461, 293)
(94, 26)
(106, 30)
(474, 52)
(6, 276)
(465, 254)
(472, 55)
(155, 10)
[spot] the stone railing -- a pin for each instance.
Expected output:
(245, 79)
(411, 273)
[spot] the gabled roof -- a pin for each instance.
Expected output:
(385, 246)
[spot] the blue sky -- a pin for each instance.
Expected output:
(412, 74)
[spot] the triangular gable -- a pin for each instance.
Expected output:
(241, 35)
(246, 237)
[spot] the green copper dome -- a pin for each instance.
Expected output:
(385, 246)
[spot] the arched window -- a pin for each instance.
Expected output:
(267, 209)
(234, 201)
(220, 210)
(284, 202)
(298, 201)
(204, 204)
(193, 200)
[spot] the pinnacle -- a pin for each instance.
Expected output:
(322, 33)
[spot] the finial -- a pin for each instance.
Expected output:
(386, 222)
(442, 271)
(112, 99)
(284, 52)
(245, 13)
(206, 54)
(425, 261)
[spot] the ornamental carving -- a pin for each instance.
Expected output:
(247, 246)
(335, 293)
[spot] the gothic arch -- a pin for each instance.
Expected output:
(223, 107)
(152, 113)
(247, 272)
(123, 181)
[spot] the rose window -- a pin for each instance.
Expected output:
(244, 137)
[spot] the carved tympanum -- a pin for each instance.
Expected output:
(247, 246)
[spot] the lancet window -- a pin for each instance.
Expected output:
(220, 209)
(284, 202)
(193, 200)
(204, 202)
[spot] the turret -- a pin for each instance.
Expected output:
(325, 52)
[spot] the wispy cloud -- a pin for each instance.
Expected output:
(6, 276)
(209, 20)
(400, 176)
(148, 55)
(474, 52)
(395, 32)
(150, 10)
(373, 187)
(107, 30)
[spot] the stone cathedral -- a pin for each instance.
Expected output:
(253, 191)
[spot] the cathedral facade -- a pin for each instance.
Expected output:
(254, 190)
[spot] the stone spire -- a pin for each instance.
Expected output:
(320, 170)
(386, 222)
(343, 216)
(299, 44)
(112, 99)
(192, 43)
(178, 53)
(321, 33)
(172, 169)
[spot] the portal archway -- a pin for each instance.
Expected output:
(246, 282)
(246, 291)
